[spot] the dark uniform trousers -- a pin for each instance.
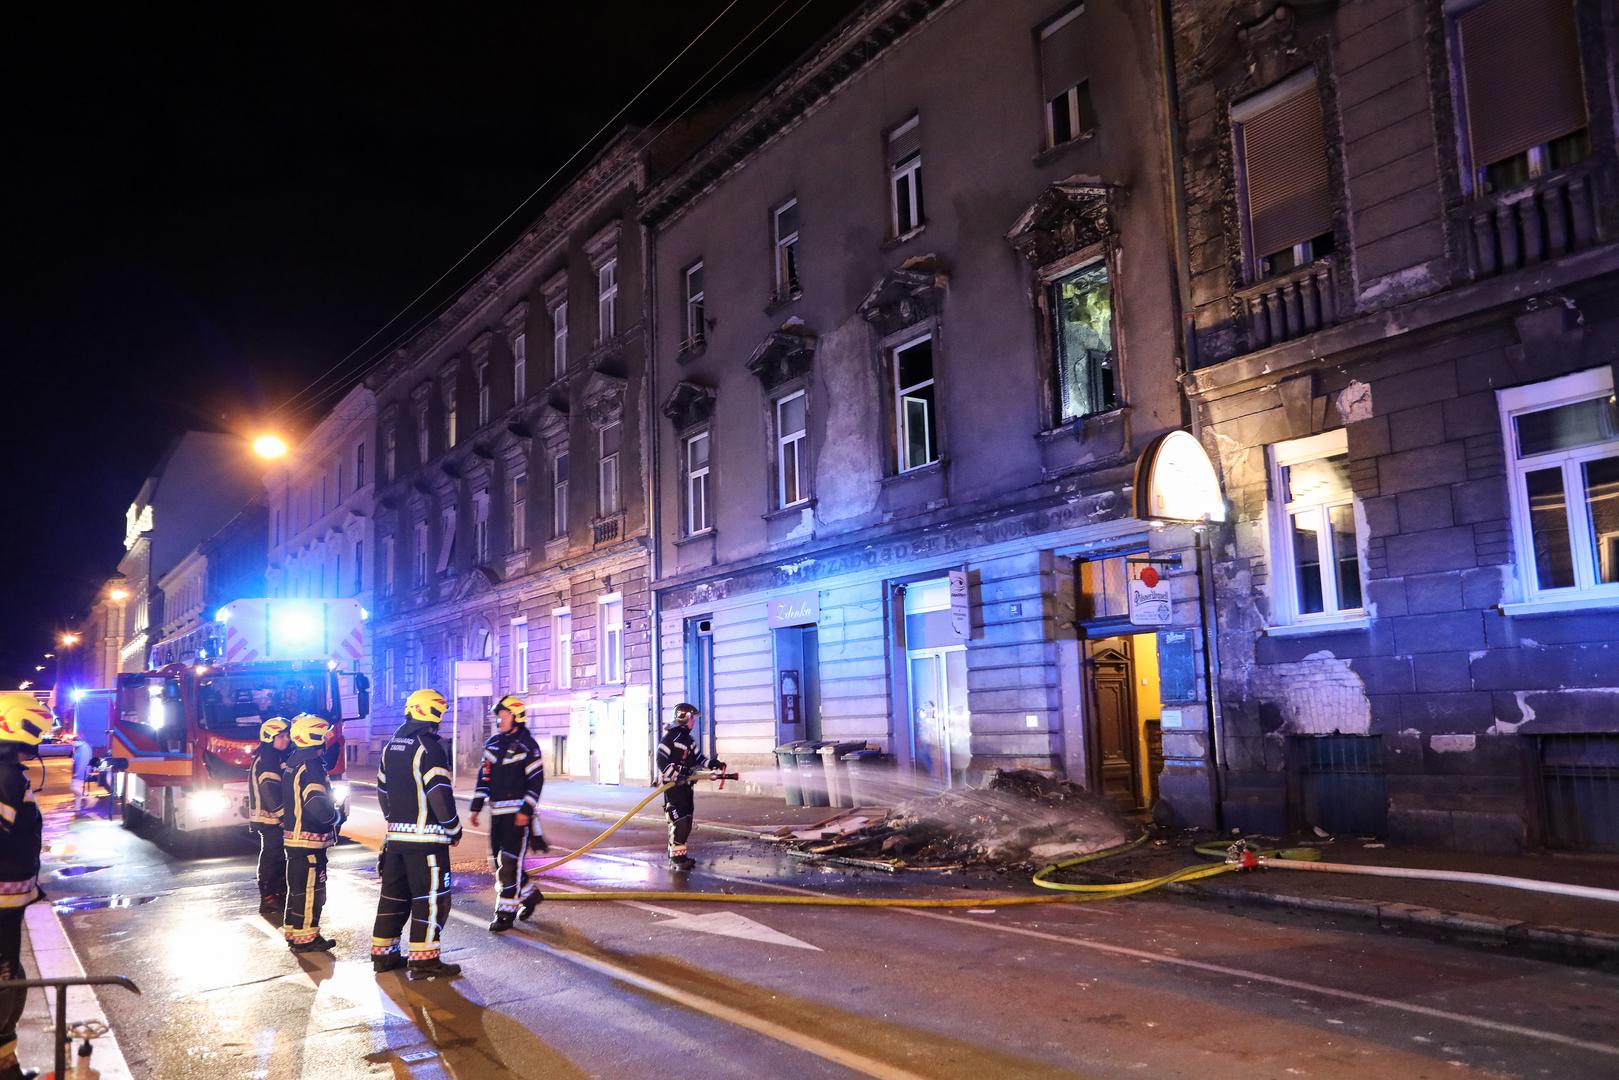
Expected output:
(306, 893)
(678, 806)
(12, 1002)
(509, 842)
(272, 860)
(415, 889)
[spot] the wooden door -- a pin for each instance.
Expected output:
(1113, 680)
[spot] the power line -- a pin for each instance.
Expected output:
(505, 220)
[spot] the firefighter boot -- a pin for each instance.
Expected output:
(432, 969)
(525, 911)
(502, 922)
(682, 864)
(317, 944)
(387, 962)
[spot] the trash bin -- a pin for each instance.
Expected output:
(787, 766)
(838, 791)
(811, 777)
(863, 771)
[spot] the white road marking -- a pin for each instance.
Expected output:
(734, 924)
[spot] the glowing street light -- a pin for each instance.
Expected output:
(270, 447)
(118, 594)
(69, 640)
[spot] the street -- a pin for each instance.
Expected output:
(1132, 987)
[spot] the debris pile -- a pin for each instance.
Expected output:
(1018, 817)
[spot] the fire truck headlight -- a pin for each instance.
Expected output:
(209, 804)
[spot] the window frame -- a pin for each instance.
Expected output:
(520, 654)
(1304, 252)
(1050, 280)
(610, 640)
(696, 324)
(695, 525)
(1592, 384)
(520, 366)
(561, 470)
(608, 465)
(901, 443)
(559, 340)
(446, 539)
(1279, 514)
(359, 566)
(909, 169)
(562, 648)
(387, 554)
(480, 372)
(517, 502)
(480, 528)
(421, 536)
(390, 454)
(452, 432)
(797, 444)
(424, 434)
(784, 274)
(607, 300)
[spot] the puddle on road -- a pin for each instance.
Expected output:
(99, 903)
(77, 871)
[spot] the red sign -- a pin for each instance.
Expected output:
(1149, 577)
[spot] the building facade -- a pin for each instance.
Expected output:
(320, 521)
(1402, 263)
(916, 322)
(511, 508)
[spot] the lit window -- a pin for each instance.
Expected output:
(562, 649)
(520, 655)
(559, 340)
(1562, 440)
(791, 434)
(607, 300)
(784, 234)
(519, 503)
(694, 306)
(610, 639)
(520, 367)
(697, 509)
(905, 177)
(1287, 204)
(607, 486)
(1315, 530)
(559, 497)
(1082, 314)
(916, 421)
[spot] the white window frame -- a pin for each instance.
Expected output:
(517, 488)
(561, 648)
(481, 373)
(696, 330)
(559, 340)
(519, 366)
(610, 639)
(784, 247)
(795, 445)
(1537, 397)
(1076, 128)
(699, 512)
(902, 444)
(520, 655)
(607, 300)
(608, 476)
(559, 496)
(480, 528)
(908, 167)
(1286, 605)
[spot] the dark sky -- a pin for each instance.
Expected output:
(202, 216)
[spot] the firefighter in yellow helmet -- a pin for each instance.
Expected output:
(414, 792)
(265, 803)
(310, 822)
(23, 723)
(510, 780)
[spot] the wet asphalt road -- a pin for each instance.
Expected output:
(1124, 988)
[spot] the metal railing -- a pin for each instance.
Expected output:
(85, 1030)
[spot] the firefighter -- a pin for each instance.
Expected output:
(23, 723)
(678, 758)
(414, 792)
(310, 821)
(265, 803)
(510, 779)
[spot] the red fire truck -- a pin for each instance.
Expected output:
(182, 734)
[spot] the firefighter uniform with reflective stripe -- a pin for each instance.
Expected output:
(414, 792)
(266, 802)
(678, 757)
(20, 831)
(510, 780)
(309, 824)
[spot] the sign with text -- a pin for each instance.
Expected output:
(960, 616)
(800, 609)
(1176, 481)
(1149, 599)
(1177, 671)
(474, 678)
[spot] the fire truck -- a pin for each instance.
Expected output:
(182, 734)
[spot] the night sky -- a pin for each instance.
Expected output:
(202, 216)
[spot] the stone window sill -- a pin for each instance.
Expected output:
(692, 538)
(1324, 626)
(1049, 153)
(1563, 605)
(932, 468)
(788, 511)
(903, 238)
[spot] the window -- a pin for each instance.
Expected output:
(520, 367)
(610, 639)
(1082, 333)
(359, 465)
(387, 565)
(449, 416)
(519, 502)
(275, 531)
(421, 553)
(694, 306)
(784, 234)
(905, 176)
(697, 510)
(480, 528)
(1562, 439)
(520, 655)
(388, 661)
(916, 422)
(1287, 197)
(481, 372)
(359, 567)
(1519, 129)
(390, 454)
(1315, 530)
(446, 539)
(562, 649)
(1062, 75)
(607, 300)
(421, 436)
(559, 497)
(607, 491)
(791, 431)
(559, 340)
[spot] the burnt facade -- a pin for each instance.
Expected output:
(1401, 224)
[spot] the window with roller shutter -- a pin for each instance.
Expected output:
(1516, 128)
(1286, 185)
(1067, 94)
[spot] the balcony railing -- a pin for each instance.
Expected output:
(1548, 217)
(1291, 305)
(606, 530)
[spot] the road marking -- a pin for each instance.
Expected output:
(733, 924)
(1428, 1011)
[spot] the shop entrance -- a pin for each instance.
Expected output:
(798, 684)
(936, 668)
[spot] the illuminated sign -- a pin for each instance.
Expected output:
(136, 523)
(1175, 481)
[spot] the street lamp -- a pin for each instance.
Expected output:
(270, 447)
(69, 640)
(118, 594)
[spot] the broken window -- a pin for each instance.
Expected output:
(1082, 310)
(916, 420)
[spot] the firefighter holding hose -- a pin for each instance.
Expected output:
(678, 758)
(510, 780)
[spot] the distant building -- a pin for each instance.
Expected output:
(227, 566)
(1402, 221)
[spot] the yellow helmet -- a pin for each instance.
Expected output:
(272, 727)
(514, 705)
(23, 719)
(309, 730)
(428, 705)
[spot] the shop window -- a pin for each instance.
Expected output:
(1315, 530)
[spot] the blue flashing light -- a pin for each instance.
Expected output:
(77, 696)
(222, 615)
